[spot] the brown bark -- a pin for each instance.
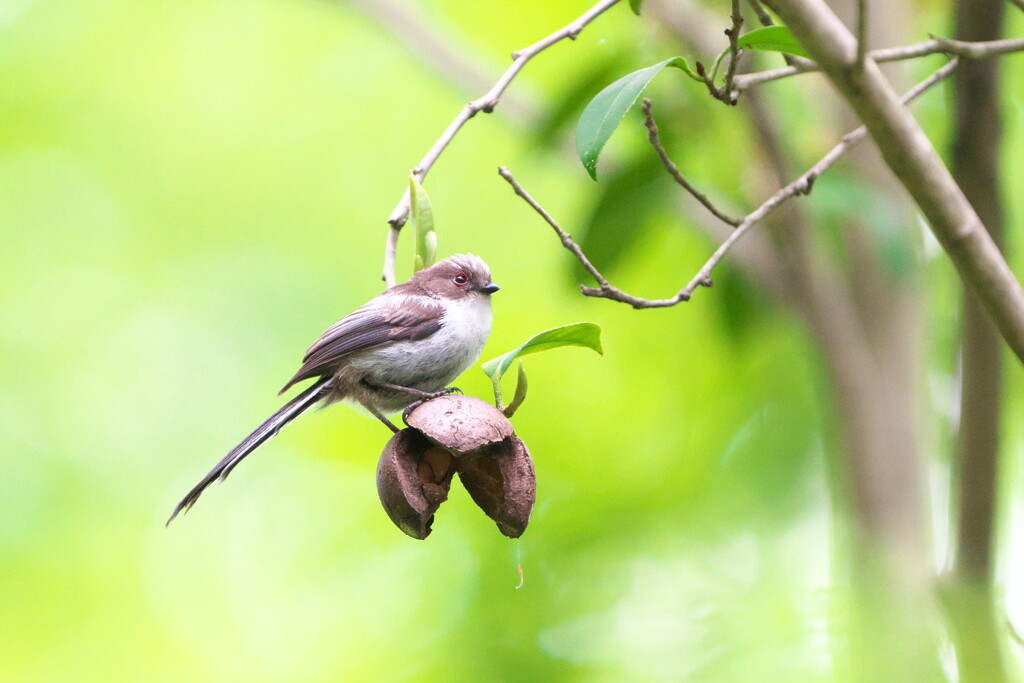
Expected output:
(913, 159)
(976, 169)
(975, 627)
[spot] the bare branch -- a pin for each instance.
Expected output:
(1018, 3)
(960, 48)
(604, 289)
(565, 237)
(862, 31)
(915, 162)
(977, 138)
(762, 13)
(734, 49)
(725, 93)
(486, 103)
(655, 139)
(800, 186)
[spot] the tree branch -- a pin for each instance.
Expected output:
(862, 31)
(977, 140)
(762, 13)
(734, 47)
(673, 170)
(486, 104)
(912, 158)
(725, 93)
(960, 48)
(801, 185)
(969, 596)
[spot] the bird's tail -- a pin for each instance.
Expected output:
(271, 426)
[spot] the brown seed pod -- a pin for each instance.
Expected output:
(460, 424)
(501, 480)
(463, 434)
(413, 479)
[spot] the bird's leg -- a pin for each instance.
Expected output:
(380, 416)
(417, 403)
(421, 397)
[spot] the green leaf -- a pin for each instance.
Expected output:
(563, 106)
(604, 113)
(578, 334)
(635, 6)
(772, 39)
(423, 221)
(520, 395)
(767, 39)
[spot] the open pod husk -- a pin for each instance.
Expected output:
(457, 434)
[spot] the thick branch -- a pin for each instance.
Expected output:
(978, 135)
(912, 158)
(801, 185)
(486, 104)
(960, 48)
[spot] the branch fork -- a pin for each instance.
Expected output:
(798, 187)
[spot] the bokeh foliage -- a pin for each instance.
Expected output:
(190, 192)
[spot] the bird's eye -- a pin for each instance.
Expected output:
(461, 280)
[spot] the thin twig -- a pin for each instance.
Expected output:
(673, 170)
(734, 50)
(725, 93)
(862, 32)
(800, 186)
(762, 13)
(1018, 3)
(960, 48)
(486, 104)
(565, 237)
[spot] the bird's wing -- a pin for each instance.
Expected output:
(366, 328)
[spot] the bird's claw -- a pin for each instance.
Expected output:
(417, 403)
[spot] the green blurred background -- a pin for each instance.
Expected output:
(191, 191)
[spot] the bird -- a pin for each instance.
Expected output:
(403, 347)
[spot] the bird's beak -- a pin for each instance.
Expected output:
(490, 288)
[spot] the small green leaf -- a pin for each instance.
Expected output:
(772, 39)
(635, 6)
(423, 221)
(767, 39)
(520, 395)
(563, 106)
(578, 334)
(604, 113)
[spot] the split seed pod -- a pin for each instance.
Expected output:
(457, 434)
